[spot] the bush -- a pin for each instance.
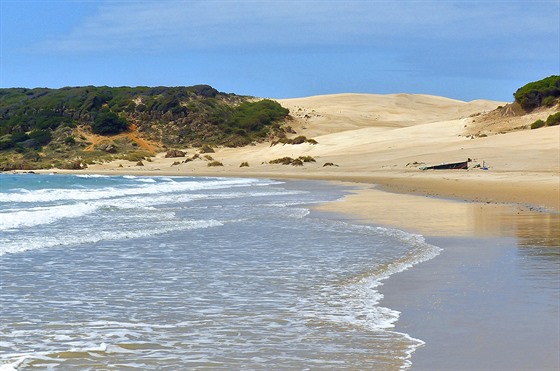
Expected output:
(553, 119)
(174, 153)
(537, 124)
(253, 117)
(283, 161)
(244, 164)
(136, 156)
(297, 140)
(108, 123)
(533, 94)
(6, 142)
(206, 149)
(42, 137)
(237, 141)
(31, 156)
(215, 163)
(293, 161)
(306, 158)
(549, 101)
(72, 165)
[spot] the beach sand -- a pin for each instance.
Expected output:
(474, 305)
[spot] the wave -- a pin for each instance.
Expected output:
(42, 242)
(363, 294)
(43, 215)
(28, 217)
(149, 188)
(357, 302)
(72, 340)
(86, 176)
(140, 179)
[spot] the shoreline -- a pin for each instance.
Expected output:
(470, 304)
(442, 297)
(537, 191)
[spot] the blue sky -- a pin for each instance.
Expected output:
(283, 48)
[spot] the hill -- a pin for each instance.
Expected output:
(40, 127)
(536, 105)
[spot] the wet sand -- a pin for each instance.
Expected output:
(491, 299)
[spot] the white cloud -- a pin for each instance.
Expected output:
(168, 25)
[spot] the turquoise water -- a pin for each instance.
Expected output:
(122, 272)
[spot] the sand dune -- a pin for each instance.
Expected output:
(384, 139)
(340, 112)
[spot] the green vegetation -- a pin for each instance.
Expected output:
(108, 123)
(552, 120)
(297, 140)
(215, 163)
(282, 161)
(537, 124)
(252, 117)
(206, 149)
(538, 93)
(55, 123)
(137, 156)
(293, 161)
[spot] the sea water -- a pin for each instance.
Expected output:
(168, 273)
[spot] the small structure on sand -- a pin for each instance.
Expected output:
(463, 165)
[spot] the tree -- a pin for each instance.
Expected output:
(533, 94)
(108, 123)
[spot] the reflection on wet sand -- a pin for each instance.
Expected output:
(440, 217)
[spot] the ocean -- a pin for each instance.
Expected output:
(168, 273)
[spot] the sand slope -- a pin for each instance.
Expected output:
(386, 138)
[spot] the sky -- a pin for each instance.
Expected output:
(466, 50)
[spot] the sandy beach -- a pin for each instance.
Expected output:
(385, 139)
(509, 197)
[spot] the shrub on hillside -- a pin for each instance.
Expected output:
(42, 137)
(533, 94)
(553, 119)
(254, 117)
(108, 123)
(549, 101)
(537, 124)
(137, 156)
